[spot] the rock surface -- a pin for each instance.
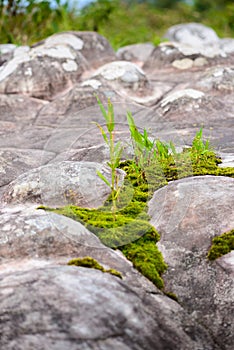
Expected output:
(189, 213)
(49, 153)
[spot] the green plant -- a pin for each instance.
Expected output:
(143, 147)
(199, 147)
(149, 152)
(115, 151)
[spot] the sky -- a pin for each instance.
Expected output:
(78, 3)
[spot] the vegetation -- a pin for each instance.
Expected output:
(154, 164)
(221, 245)
(115, 151)
(93, 264)
(122, 22)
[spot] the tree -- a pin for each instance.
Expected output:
(206, 5)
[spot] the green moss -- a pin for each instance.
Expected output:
(221, 245)
(93, 264)
(171, 295)
(147, 259)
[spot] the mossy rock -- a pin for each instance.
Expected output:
(221, 245)
(129, 229)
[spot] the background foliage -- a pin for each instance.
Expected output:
(122, 22)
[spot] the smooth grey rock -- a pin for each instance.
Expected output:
(227, 45)
(188, 213)
(137, 53)
(129, 80)
(192, 34)
(61, 184)
(19, 108)
(227, 159)
(69, 307)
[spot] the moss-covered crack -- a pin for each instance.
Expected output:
(129, 229)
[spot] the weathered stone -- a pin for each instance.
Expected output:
(93, 46)
(129, 80)
(6, 52)
(136, 53)
(227, 159)
(188, 213)
(67, 306)
(227, 45)
(19, 108)
(182, 94)
(168, 52)
(62, 183)
(42, 72)
(185, 63)
(14, 162)
(5, 48)
(77, 105)
(218, 78)
(192, 34)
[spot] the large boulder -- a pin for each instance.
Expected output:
(42, 71)
(188, 213)
(58, 184)
(66, 307)
(129, 80)
(192, 34)
(136, 53)
(93, 46)
(181, 56)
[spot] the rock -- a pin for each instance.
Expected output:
(218, 78)
(78, 106)
(227, 45)
(129, 80)
(136, 53)
(6, 48)
(19, 108)
(190, 93)
(14, 162)
(62, 183)
(42, 72)
(188, 213)
(193, 34)
(67, 305)
(93, 46)
(227, 160)
(185, 63)
(6, 52)
(168, 52)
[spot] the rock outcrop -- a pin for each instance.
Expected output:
(50, 152)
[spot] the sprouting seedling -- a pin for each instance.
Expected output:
(199, 147)
(115, 151)
(143, 146)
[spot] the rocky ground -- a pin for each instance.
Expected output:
(49, 153)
